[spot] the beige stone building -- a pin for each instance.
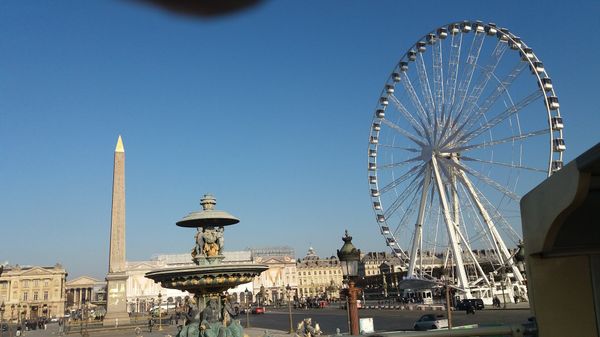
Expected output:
(33, 291)
(142, 292)
(371, 263)
(271, 286)
(320, 277)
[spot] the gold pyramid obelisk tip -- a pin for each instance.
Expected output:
(119, 147)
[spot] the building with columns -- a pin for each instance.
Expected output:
(33, 291)
(85, 290)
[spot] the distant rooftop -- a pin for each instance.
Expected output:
(276, 251)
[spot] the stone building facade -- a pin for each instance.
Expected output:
(319, 277)
(270, 287)
(371, 263)
(85, 290)
(32, 292)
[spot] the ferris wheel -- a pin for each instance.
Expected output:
(466, 123)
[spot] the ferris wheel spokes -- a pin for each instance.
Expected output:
(510, 111)
(464, 148)
(489, 181)
(500, 89)
(453, 64)
(468, 71)
(416, 244)
(438, 84)
(425, 88)
(503, 250)
(419, 127)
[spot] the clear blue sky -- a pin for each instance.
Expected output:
(269, 110)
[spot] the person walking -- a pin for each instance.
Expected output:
(150, 324)
(469, 308)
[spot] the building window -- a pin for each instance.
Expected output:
(46, 283)
(26, 284)
(25, 296)
(36, 283)
(35, 295)
(45, 295)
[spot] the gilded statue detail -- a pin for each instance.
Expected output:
(209, 242)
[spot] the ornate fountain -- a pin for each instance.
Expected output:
(209, 312)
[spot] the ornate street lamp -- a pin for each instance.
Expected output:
(169, 300)
(520, 257)
(159, 312)
(349, 258)
(247, 301)
(2, 308)
(289, 297)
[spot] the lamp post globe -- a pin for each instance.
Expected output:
(349, 258)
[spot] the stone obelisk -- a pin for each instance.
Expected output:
(116, 304)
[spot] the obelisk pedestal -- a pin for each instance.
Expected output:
(116, 307)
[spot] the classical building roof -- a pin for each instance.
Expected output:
(275, 260)
(33, 270)
(83, 281)
(276, 251)
(313, 260)
(378, 257)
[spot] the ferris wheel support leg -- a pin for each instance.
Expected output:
(451, 173)
(419, 224)
(456, 252)
(504, 253)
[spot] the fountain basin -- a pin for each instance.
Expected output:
(206, 279)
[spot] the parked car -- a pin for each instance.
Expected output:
(430, 322)
(475, 303)
(258, 310)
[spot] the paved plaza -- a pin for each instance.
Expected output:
(276, 322)
(131, 332)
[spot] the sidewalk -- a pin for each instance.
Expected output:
(258, 332)
(511, 306)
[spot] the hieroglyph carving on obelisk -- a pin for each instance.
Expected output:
(116, 306)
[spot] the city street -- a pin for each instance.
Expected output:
(384, 320)
(329, 319)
